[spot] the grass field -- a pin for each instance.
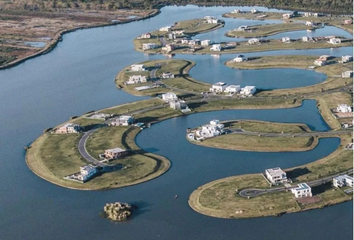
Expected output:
(196, 26)
(267, 127)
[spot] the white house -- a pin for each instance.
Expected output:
(123, 120)
(233, 89)
(145, 36)
(218, 87)
(240, 58)
(276, 175)
(236, 11)
(137, 67)
(242, 28)
(171, 36)
(343, 180)
(165, 29)
(170, 96)
(209, 17)
(335, 41)
(206, 42)
(178, 104)
(248, 90)
(216, 48)
(136, 79)
(212, 21)
(319, 62)
(287, 15)
(215, 128)
(253, 41)
(347, 74)
(69, 128)
(305, 39)
(285, 40)
(178, 32)
(254, 11)
(167, 75)
(309, 23)
(347, 58)
(308, 14)
(302, 190)
(147, 46)
(87, 172)
(344, 108)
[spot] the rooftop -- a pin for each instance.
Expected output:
(116, 150)
(302, 186)
(275, 171)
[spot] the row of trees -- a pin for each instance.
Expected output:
(334, 6)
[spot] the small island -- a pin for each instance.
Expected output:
(117, 211)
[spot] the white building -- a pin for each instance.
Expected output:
(170, 96)
(253, 41)
(285, 40)
(335, 41)
(209, 17)
(165, 29)
(319, 62)
(240, 58)
(123, 120)
(254, 11)
(147, 46)
(287, 15)
(233, 89)
(236, 11)
(309, 23)
(305, 39)
(344, 108)
(347, 58)
(145, 36)
(178, 32)
(87, 172)
(212, 21)
(206, 42)
(216, 48)
(242, 28)
(69, 128)
(178, 105)
(343, 180)
(218, 87)
(215, 128)
(137, 67)
(276, 175)
(248, 90)
(347, 74)
(167, 75)
(135, 79)
(302, 190)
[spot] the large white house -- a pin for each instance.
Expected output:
(253, 41)
(335, 41)
(233, 89)
(218, 87)
(87, 172)
(206, 42)
(344, 108)
(136, 79)
(137, 68)
(347, 74)
(216, 48)
(178, 105)
(276, 175)
(285, 40)
(165, 29)
(167, 75)
(240, 58)
(320, 62)
(347, 58)
(343, 180)
(147, 46)
(248, 90)
(170, 96)
(123, 120)
(69, 128)
(215, 128)
(254, 11)
(302, 190)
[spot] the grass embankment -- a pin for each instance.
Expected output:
(260, 143)
(181, 83)
(220, 198)
(267, 30)
(332, 70)
(196, 26)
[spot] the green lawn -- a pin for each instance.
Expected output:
(267, 127)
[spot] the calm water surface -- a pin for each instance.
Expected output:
(78, 76)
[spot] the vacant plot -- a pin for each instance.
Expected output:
(267, 127)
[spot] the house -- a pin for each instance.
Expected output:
(347, 21)
(276, 175)
(212, 21)
(168, 48)
(170, 96)
(335, 41)
(320, 62)
(344, 108)
(178, 105)
(185, 41)
(253, 41)
(305, 39)
(145, 36)
(178, 32)
(343, 180)
(194, 42)
(285, 40)
(87, 172)
(308, 14)
(165, 29)
(215, 128)
(123, 120)
(240, 58)
(347, 58)
(69, 128)
(137, 68)
(114, 153)
(135, 79)
(147, 46)
(167, 75)
(347, 74)
(233, 89)
(236, 11)
(302, 190)
(243, 28)
(254, 11)
(287, 15)
(248, 90)
(317, 15)
(309, 23)
(216, 48)
(325, 57)
(206, 42)
(171, 36)
(209, 17)
(218, 87)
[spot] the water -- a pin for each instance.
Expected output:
(78, 76)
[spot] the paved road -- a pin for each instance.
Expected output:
(253, 192)
(163, 41)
